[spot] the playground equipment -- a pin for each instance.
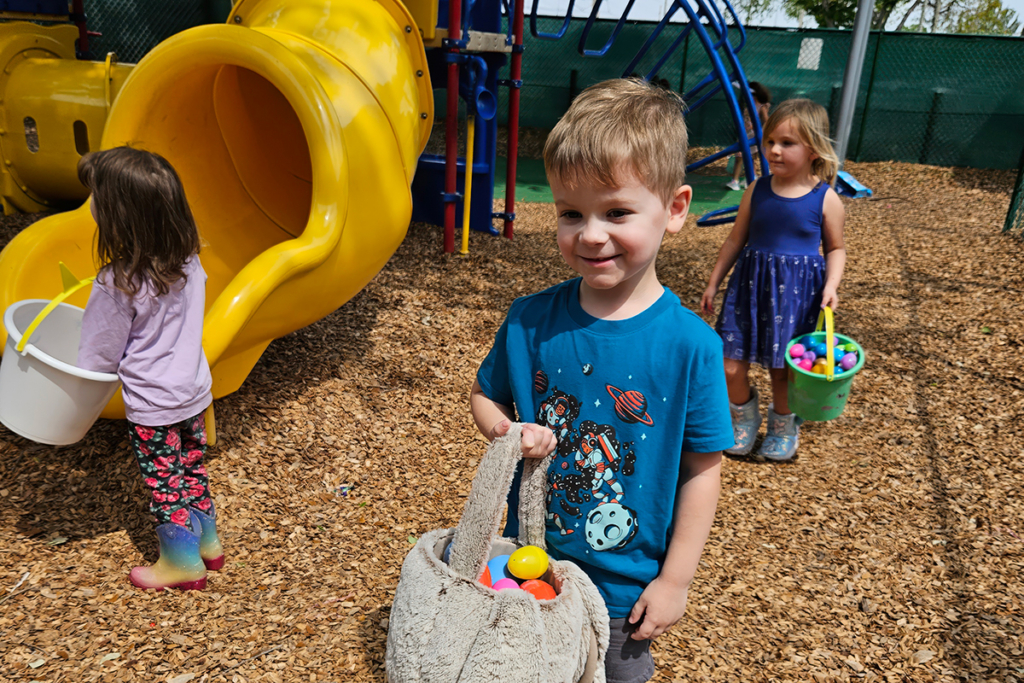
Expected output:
(295, 127)
(470, 37)
(710, 25)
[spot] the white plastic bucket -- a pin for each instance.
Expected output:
(43, 396)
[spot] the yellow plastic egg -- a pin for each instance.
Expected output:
(529, 562)
(820, 369)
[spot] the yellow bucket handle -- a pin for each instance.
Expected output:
(71, 285)
(830, 340)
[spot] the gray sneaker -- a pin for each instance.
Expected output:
(783, 436)
(746, 420)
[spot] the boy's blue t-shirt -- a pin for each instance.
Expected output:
(625, 398)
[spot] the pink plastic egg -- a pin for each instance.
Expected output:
(796, 350)
(502, 584)
(848, 361)
(806, 365)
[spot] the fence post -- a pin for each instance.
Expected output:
(867, 100)
(1015, 201)
(682, 70)
(929, 128)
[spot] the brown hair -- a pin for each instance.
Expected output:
(811, 122)
(145, 229)
(762, 95)
(621, 125)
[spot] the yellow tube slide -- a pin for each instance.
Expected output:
(295, 128)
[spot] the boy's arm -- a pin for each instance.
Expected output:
(663, 602)
(494, 419)
(834, 247)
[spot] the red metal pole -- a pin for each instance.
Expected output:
(451, 131)
(516, 69)
(78, 10)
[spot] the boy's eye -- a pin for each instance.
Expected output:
(569, 214)
(618, 213)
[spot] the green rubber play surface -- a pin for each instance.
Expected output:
(709, 191)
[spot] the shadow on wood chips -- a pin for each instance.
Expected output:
(890, 550)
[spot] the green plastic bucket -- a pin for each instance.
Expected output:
(815, 397)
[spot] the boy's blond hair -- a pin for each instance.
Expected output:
(811, 122)
(625, 125)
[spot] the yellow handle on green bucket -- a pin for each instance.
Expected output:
(71, 285)
(830, 340)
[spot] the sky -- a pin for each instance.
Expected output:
(654, 10)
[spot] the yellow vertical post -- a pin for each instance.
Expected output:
(468, 193)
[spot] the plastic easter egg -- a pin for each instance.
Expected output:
(821, 361)
(485, 578)
(502, 584)
(447, 553)
(529, 562)
(796, 350)
(819, 370)
(850, 348)
(820, 349)
(805, 365)
(836, 341)
(838, 370)
(807, 341)
(499, 568)
(541, 590)
(809, 356)
(848, 361)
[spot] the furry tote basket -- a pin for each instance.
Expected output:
(446, 627)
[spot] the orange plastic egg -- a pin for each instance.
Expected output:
(485, 578)
(541, 590)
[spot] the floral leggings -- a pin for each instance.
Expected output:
(171, 460)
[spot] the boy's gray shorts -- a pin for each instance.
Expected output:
(628, 660)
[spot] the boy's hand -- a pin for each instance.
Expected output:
(707, 302)
(830, 298)
(661, 605)
(536, 442)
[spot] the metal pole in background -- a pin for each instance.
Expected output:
(851, 79)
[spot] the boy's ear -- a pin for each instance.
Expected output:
(679, 208)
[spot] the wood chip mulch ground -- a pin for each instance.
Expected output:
(891, 550)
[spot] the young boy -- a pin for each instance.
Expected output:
(624, 383)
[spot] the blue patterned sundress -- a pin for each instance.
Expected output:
(774, 292)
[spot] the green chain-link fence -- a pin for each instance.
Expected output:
(131, 28)
(937, 99)
(946, 100)
(1015, 216)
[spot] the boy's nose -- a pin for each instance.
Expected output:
(593, 232)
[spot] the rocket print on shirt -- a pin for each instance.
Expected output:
(586, 478)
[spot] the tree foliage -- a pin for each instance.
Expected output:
(954, 16)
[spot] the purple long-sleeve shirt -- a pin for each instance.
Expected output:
(153, 343)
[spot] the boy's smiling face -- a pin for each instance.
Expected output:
(611, 235)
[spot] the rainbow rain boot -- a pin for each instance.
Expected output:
(180, 565)
(210, 548)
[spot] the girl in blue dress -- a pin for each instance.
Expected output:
(785, 221)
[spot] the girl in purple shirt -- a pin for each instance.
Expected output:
(144, 321)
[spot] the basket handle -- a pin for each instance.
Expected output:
(830, 340)
(482, 514)
(71, 285)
